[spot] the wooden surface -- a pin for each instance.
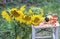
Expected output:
(47, 26)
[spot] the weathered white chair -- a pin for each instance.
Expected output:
(54, 30)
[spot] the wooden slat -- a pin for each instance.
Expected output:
(46, 26)
(44, 37)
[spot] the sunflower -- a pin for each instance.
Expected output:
(19, 18)
(27, 19)
(36, 19)
(15, 13)
(6, 16)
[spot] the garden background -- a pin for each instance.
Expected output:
(7, 30)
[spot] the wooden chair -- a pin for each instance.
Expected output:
(54, 31)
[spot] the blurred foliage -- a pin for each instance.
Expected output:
(7, 30)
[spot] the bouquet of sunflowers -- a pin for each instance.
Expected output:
(23, 20)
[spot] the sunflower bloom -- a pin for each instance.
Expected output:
(36, 19)
(19, 18)
(6, 16)
(27, 19)
(15, 13)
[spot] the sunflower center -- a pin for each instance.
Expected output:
(15, 13)
(36, 20)
(27, 18)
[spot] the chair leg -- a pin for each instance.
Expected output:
(33, 33)
(56, 33)
(53, 33)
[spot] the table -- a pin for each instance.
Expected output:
(54, 30)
